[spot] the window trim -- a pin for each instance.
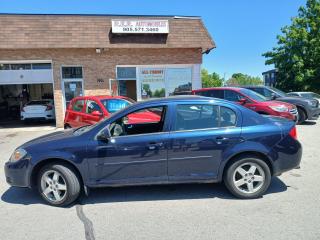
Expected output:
(165, 123)
(172, 130)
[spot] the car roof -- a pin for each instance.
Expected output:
(101, 97)
(183, 98)
(218, 88)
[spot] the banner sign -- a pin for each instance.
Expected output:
(152, 82)
(140, 26)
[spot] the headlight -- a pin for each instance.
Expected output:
(18, 154)
(312, 103)
(279, 108)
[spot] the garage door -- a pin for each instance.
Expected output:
(25, 73)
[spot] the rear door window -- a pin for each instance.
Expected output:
(233, 96)
(202, 116)
(78, 105)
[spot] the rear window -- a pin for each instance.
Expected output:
(40, 102)
(114, 105)
(78, 105)
(211, 93)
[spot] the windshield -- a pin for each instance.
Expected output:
(310, 95)
(254, 95)
(114, 105)
(38, 102)
(279, 92)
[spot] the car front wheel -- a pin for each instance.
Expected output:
(302, 115)
(248, 178)
(58, 185)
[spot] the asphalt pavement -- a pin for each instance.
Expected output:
(289, 210)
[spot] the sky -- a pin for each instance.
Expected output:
(241, 29)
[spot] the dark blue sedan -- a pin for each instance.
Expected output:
(186, 139)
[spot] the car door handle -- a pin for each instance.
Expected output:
(220, 140)
(154, 145)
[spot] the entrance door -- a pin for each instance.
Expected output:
(125, 88)
(72, 89)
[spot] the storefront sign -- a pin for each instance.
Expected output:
(140, 26)
(152, 82)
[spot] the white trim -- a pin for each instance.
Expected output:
(24, 61)
(63, 80)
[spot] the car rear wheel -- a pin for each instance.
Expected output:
(67, 126)
(248, 177)
(58, 185)
(302, 115)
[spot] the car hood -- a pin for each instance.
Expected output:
(60, 135)
(277, 103)
(294, 99)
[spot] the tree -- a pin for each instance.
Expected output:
(240, 79)
(297, 54)
(210, 80)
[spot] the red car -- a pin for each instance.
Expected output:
(252, 100)
(89, 110)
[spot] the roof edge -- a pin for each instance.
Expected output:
(99, 15)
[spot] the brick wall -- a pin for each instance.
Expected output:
(99, 66)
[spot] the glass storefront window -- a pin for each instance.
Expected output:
(71, 72)
(152, 82)
(41, 66)
(126, 73)
(179, 81)
(4, 66)
(20, 66)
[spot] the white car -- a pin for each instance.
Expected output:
(38, 110)
(305, 95)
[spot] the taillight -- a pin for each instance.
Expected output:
(49, 107)
(293, 133)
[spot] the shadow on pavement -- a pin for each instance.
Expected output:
(308, 123)
(25, 196)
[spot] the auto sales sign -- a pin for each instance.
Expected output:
(140, 26)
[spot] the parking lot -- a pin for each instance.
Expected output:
(289, 210)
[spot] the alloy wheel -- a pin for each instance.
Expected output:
(53, 186)
(249, 178)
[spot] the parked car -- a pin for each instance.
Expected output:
(89, 110)
(38, 110)
(252, 100)
(309, 95)
(196, 139)
(308, 109)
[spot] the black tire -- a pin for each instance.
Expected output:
(228, 177)
(67, 126)
(72, 182)
(302, 115)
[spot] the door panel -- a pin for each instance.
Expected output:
(202, 133)
(198, 154)
(129, 159)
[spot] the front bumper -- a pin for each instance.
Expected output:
(48, 115)
(18, 173)
(314, 113)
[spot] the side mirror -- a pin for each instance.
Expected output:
(273, 96)
(96, 114)
(104, 135)
(242, 101)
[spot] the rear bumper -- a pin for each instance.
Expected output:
(288, 154)
(17, 173)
